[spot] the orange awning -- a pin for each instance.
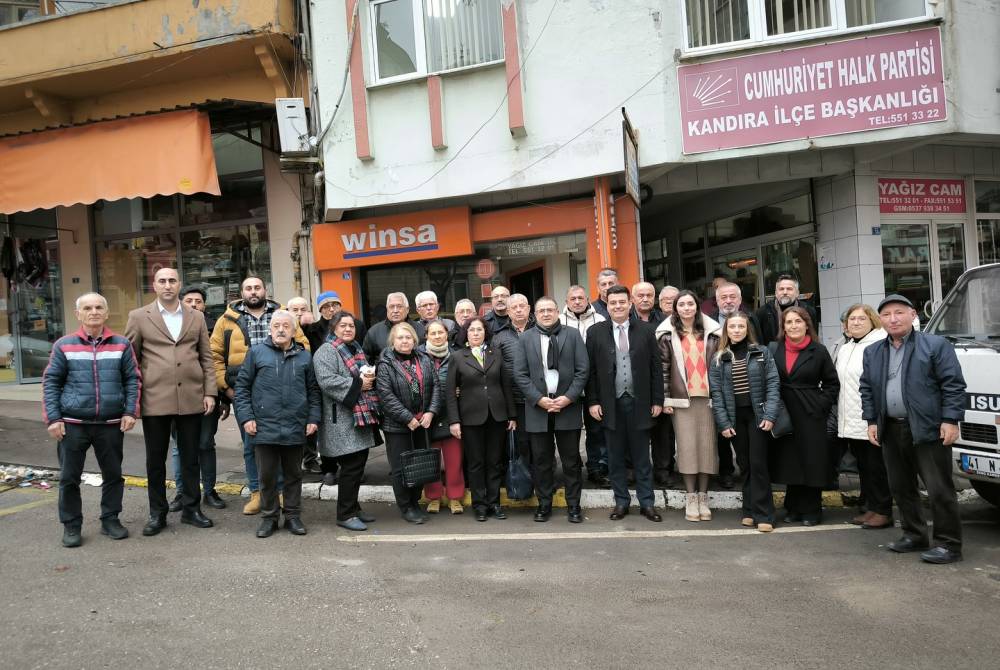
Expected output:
(138, 157)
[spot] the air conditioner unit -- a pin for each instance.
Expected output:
(293, 127)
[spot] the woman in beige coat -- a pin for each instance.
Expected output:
(688, 340)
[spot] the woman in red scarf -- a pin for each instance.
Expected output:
(805, 460)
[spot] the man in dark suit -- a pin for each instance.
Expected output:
(786, 294)
(625, 392)
(178, 374)
(551, 369)
(913, 396)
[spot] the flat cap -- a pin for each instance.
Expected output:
(894, 297)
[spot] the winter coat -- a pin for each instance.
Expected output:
(377, 339)
(848, 357)
(441, 428)
(675, 391)
(933, 385)
(231, 341)
(278, 390)
(505, 340)
(529, 377)
(398, 405)
(581, 323)
(806, 457)
(765, 390)
(91, 380)
(338, 434)
(656, 317)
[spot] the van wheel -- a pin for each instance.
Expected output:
(988, 491)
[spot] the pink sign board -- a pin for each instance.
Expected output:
(921, 196)
(849, 86)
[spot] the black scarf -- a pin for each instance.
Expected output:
(552, 362)
(740, 349)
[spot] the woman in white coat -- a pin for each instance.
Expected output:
(862, 328)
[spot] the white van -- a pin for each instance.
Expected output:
(969, 317)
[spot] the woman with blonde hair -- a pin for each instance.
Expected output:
(743, 380)
(862, 328)
(688, 341)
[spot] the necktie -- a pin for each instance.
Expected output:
(622, 339)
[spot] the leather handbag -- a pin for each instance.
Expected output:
(519, 484)
(421, 466)
(782, 422)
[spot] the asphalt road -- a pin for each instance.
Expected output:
(513, 594)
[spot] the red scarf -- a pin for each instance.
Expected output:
(792, 352)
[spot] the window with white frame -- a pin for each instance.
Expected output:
(414, 37)
(716, 23)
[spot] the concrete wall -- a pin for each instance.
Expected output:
(74, 258)
(571, 101)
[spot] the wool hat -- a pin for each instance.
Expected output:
(327, 296)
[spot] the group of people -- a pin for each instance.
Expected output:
(663, 386)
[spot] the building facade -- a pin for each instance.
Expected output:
(137, 135)
(854, 144)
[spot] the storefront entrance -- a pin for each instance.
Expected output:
(535, 267)
(31, 305)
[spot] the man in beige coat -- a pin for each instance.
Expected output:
(171, 342)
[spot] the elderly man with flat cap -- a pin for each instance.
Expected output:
(913, 396)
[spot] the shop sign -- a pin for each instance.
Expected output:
(537, 247)
(921, 196)
(856, 85)
(399, 238)
(630, 146)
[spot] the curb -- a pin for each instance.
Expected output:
(589, 499)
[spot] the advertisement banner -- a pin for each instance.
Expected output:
(882, 81)
(921, 196)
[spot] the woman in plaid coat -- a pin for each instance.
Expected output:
(350, 415)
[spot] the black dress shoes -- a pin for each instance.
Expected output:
(481, 514)
(295, 525)
(71, 537)
(726, 481)
(792, 517)
(651, 514)
(575, 514)
(618, 513)
(113, 528)
(212, 499)
(176, 505)
(941, 556)
(543, 513)
(196, 519)
(365, 516)
(267, 527)
(905, 545)
(154, 525)
(497, 512)
(412, 515)
(329, 478)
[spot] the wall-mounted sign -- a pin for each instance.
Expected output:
(921, 196)
(848, 86)
(539, 246)
(400, 238)
(631, 150)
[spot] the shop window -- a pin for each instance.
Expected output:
(125, 270)
(134, 215)
(15, 11)
(718, 23)
(693, 239)
(988, 239)
(742, 269)
(411, 37)
(796, 258)
(218, 259)
(906, 262)
(760, 221)
(988, 197)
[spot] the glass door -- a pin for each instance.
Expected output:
(32, 316)
(911, 269)
(743, 269)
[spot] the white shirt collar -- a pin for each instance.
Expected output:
(164, 310)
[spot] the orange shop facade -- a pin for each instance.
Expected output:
(535, 250)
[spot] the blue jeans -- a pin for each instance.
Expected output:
(597, 449)
(206, 452)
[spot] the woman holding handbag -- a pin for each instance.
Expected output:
(410, 396)
(745, 399)
(805, 461)
(436, 347)
(350, 416)
(480, 406)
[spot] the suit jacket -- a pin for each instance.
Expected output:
(176, 375)
(529, 373)
(474, 393)
(647, 380)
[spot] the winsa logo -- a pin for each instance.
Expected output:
(389, 241)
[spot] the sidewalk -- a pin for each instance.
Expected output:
(25, 443)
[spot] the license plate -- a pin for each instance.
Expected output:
(981, 465)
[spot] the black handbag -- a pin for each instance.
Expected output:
(782, 422)
(519, 484)
(421, 466)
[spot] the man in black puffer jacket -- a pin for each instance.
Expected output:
(278, 404)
